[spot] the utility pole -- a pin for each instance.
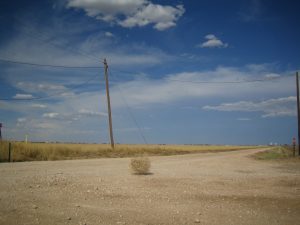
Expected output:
(108, 106)
(0, 132)
(298, 111)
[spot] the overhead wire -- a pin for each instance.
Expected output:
(220, 82)
(97, 67)
(167, 79)
(123, 71)
(40, 34)
(231, 82)
(52, 95)
(130, 111)
(127, 72)
(41, 37)
(49, 65)
(268, 79)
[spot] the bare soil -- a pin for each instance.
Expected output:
(206, 188)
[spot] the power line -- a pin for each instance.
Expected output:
(35, 35)
(55, 94)
(49, 65)
(126, 71)
(268, 79)
(230, 82)
(167, 79)
(219, 82)
(130, 112)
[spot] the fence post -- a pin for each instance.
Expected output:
(9, 152)
(294, 146)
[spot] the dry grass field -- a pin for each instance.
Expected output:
(56, 151)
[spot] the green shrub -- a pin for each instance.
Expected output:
(275, 153)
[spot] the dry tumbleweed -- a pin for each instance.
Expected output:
(140, 165)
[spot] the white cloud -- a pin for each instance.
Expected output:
(102, 8)
(51, 115)
(142, 91)
(131, 13)
(46, 126)
(21, 120)
(88, 52)
(84, 110)
(40, 106)
(212, 42)
(91, 113)
(109, 34)
(23, 96)
(272, 76)
(188, 85)
(285, 106)
(43, 90)
(34, 87)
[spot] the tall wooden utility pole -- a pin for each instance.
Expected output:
(0, 132)
(108, 106)
(298, 111)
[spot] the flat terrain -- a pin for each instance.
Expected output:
(22, 152)
(206, 188)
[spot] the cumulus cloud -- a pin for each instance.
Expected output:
(23, 96)
(144, 91)
(131, 13)
(85, 109)
(276, 107)
(199, 84)
(88, 48)
(212, 42)
(118, 55)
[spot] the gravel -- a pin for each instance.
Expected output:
(208, 188)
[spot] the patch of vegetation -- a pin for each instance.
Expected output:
(140, 165)
(58, 151)
(279, 152)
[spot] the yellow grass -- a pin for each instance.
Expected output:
(52, 151)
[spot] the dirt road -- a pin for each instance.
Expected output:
(208, 188)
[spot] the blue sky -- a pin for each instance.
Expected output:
(181, 72)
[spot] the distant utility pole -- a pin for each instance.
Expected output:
(0, 132)
(108, 105)
(298, 111)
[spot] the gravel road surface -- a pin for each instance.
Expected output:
(208, 188)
